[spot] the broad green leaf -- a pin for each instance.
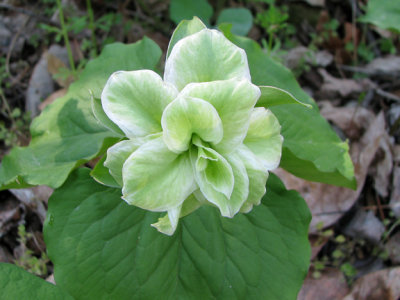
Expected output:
(205, 56)
(186, 9)
(184, 29)
(271, 96)
(135, 101)
(16, 283)
(383, 13)
(186, 116)
(317, 153)
(102, 118)
(240, 18)
(155, 178)
(103, 248)
(67, 134)
(241, 96)
(102, 174)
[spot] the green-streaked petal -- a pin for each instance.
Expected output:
(212, 169)
(119, 153)
(257, 178)
(169, 222)
(205, 56)
(157, 179)
(228, 206)
(272, 96)
(263, 138)
(234, 101)
(184, 29)
(102, 118)
(135, 101)
(186, 116)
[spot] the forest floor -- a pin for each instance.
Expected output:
(351, 69)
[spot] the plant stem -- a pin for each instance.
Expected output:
(66, 40)
(92, 27)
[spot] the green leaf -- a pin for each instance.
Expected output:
(383, 13)
(16, 283)
(186, 9)
(271, 96)
(191, 58)
(67, 134)
(316, 152)
(104, 249)
(184, 29)
(240, 18)
(102, 174)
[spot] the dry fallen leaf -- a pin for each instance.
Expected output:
(395, 196)
(383, 167)
(59, 70)
(328, 203)
(380, 285)
(330, 286)
(333, 87)
(384, 65)
(34, 198)
(52, 97)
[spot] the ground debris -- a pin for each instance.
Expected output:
(380, 285)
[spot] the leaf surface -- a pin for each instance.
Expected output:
(311, 149)
(67, 134)
(16, 283)
(104, 249)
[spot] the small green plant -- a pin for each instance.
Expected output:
(198, 144)
(27, 260)
(274, 21)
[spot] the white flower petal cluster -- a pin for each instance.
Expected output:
(194, 137)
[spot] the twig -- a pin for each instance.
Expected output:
(66, 40)
(368, 72)
(387, 95)
(91, 26)
(14, 40)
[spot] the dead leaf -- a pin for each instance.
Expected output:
(328, 203)
(365, 225)
(383, 167)
(11, 212)
(393, 248)
(34, 198)
(320, 3)
(5, 255)
(59, 71)
(395, 196)
(333, 87)
(51, 279)
(380, 285)
(41, 84)
(353, 121)
(384, 65)
(330, 286)
(298, 55)
(317, 242)
(50, 99)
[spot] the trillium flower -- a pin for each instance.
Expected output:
(194, 137)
